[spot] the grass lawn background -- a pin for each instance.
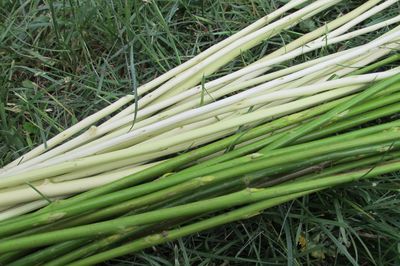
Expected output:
(63, 60)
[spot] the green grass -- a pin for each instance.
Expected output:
(63, 60)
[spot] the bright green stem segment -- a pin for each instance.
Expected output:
(49, 253)
(81, 252)
(11, 256)
(348, 166)
(354, 121)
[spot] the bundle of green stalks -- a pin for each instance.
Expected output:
(185, 154)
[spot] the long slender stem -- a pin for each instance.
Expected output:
(355, 120)
(49, 253)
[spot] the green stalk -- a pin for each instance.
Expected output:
(61, 254)
(86, 250)
(173, 187)
(349, 164)
(354, 121)
(48, 253)
(238, 214)
(11, 256)
(239, 198)
(275, 169)
(81, 252)
(56, 263)
(246, 181)
(227, 187)
(159, 238)
(122, 225)
(166, 236)
(108, 241)
(243, 213)
(241, 183)
(257, 165)
(334, 140)
(287, 155)
(237, 183)
(372, 104)
(184, 176)
(325, 118)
